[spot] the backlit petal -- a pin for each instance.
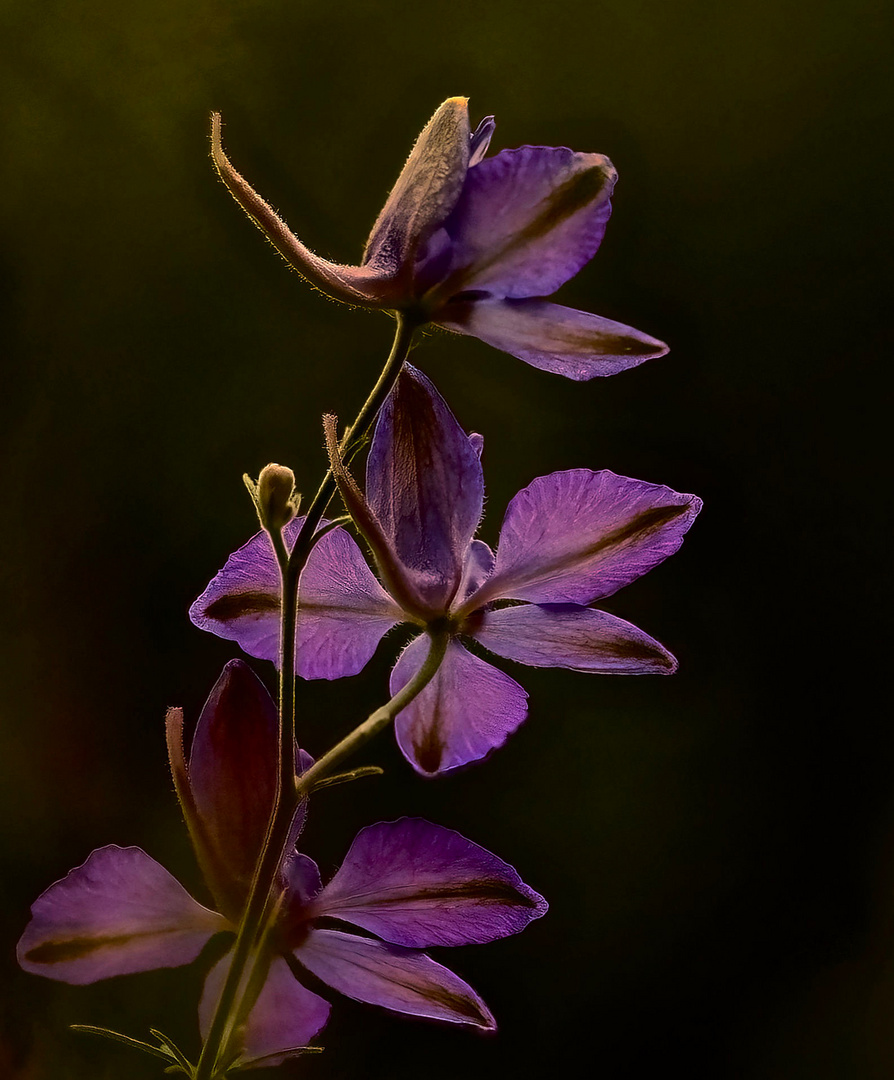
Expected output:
(568, 636)
(120, 912)
(425, 486)
(285, 1014)
(468, 709)
(576, 536)
(417, 884)
(528, 220)
(395, 978)
(553, 338)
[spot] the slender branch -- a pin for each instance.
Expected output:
(270, 857)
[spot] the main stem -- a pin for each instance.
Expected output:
(288, 794)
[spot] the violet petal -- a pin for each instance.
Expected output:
(569, 636)
(553, 338)
(478, 568)
(417, 884)
(576, 536)
(468, 709)
(425, 486)
(426, 190)
(528, 220)
(343, 611)
(480, 141)
(395, 978)
(119, 912)
(286, 1014)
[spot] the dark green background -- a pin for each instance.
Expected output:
(716, 847)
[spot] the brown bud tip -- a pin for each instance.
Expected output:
(276, 486)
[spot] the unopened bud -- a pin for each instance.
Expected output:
(275, 499)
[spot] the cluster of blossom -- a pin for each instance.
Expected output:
(472, 243)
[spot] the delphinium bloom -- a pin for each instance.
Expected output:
(568, 540)
(474, 244)
(410, 883)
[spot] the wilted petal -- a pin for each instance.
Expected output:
(393, 977)
(285, 1015)
(417, 884)
(569, 636)
(553, 338)
(576, 536)
(528, 220)
(425, 486)
(343, 611)
(366, 286)
(468, 709)
(233, 769)
(426, 190)
(118, 913)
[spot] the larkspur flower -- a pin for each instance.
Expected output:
(474, 244)
(568, 540)
(412, 884)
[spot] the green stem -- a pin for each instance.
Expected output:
(270, 858)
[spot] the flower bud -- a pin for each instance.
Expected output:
(276, 505)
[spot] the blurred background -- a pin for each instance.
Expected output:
(717, 847)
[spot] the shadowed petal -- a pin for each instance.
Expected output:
(232, 774)
(480, 141)
(395, 978)
(565, 635)
(118, 913)
(528, 220)
(468, 709)
(426, 191)
(553, 338)
(366, 286)
(343, 611)
(417, 884)
(479, 566)
(573, 537)
(285, 1015)
(425, 486)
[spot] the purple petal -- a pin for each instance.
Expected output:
(528, 220)
(366, 286)
(395, 978)
(343, 611)
(479, 566)
(417, 884)
(285, 1015)
(468, 709)
(426, 191)
(242, 602)
(480, 141)
(118, 913)
(565, 635)
(574, 537)
(553, 338)
(425, 486)
(233, 768)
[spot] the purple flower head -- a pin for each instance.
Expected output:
(410, 883)
(568, 540)
(474, 243)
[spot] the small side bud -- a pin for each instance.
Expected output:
(276, 500)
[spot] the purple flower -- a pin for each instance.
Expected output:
(474, 244)
(567, 540)
(409, 883)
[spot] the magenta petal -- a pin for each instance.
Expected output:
(232, 773)
(285, 1015)
(553, 338)
(529, 219)
(468, 709)
(569, 636)
(118, 913)
(395, 978)
(425, 486)
(426, 190)
(343, 611)
(574, 537)
(417, 884)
